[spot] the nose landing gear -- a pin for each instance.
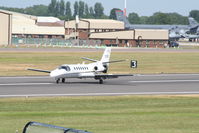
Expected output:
(62, 80)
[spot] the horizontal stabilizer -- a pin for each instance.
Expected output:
(115, 61)
(89, 59)
(38, 70)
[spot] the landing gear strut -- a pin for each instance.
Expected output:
(101, 81)
(57, 81)
(63, 80)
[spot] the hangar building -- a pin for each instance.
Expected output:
(112, 32)
(19, 25)
(107, 32)
(6, 28)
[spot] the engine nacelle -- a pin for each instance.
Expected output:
(105, 68)
(95, 68)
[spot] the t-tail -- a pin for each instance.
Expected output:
(121, 17)
(106, 56)
(106, 59)
(193, 26)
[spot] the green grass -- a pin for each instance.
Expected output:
(125, 114)
(14, 64)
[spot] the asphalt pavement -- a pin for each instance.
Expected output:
(160, 84)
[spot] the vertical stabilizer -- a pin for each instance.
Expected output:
(106, 56)
(121, 17)
(193, 22)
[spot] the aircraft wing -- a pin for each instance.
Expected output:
(110, 76)
(38, 70)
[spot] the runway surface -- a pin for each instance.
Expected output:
(164, 84)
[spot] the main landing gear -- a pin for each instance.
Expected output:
(62, 80)
(101, 81)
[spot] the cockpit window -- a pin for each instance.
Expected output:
(67, 68)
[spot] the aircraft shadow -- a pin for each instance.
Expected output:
(96, 83)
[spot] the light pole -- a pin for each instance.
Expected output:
(77, 24)
(125, 8)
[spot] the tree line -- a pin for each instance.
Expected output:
(163, 18)
(63, 10)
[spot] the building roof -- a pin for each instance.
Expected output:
(47, 19)
(2, 11)
(26, 24)
(95, 24)
(148, 34)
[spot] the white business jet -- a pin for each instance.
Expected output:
(93, 70)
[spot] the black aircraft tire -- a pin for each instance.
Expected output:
(100, 81)
(57, 81)
(63, 80)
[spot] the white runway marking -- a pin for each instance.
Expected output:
(164, 81)
(23, 84)
(103, 94)
(162, 75)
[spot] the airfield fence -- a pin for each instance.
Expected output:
(56, 42)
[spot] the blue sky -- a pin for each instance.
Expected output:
(142, 7)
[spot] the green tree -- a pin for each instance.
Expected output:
(68, 11)
(86, 11)
(159, 18)
(62, 8)
(81, 9)
(76, 8)
(167, 18)
(57, 9)
(99, 10)
(176, 18)
(52, 7)
(134, 18)
(20, 10)
(144, 19)
(113, 14)
(104, 17)
(194, 14)
(37, 10)
(92, 14)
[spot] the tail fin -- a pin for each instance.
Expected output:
(120, 16)
(193, 22)
(106, 56)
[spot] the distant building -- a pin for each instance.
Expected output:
(133, 38)
(113, 33)
(85, 27)
(6, 28)
(29, 26)
(105, 31)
